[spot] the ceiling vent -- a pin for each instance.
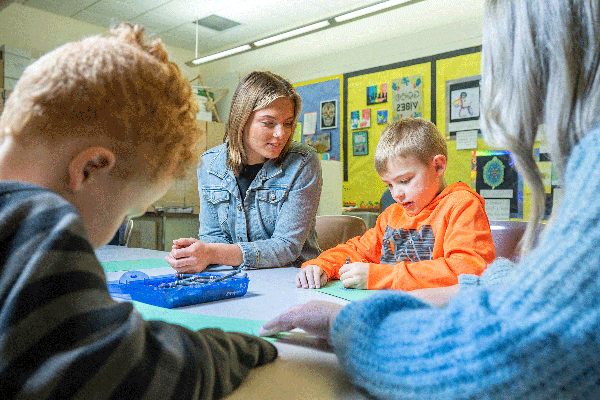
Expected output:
(216, 23)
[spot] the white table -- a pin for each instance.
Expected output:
(306, 367)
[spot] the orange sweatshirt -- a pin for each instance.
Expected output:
(449, 237)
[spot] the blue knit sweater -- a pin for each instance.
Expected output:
(534, 334)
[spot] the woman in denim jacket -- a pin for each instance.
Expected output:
(259, 191)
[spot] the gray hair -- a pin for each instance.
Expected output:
(540, 67)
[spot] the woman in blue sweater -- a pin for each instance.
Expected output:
(529, 331)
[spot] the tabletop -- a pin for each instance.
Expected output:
(306, 367)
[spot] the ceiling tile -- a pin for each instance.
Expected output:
(181, 40)
(96, 19)
(147, 5)
(114, 9)
(57, 6)
(187, 10)
(154, 22)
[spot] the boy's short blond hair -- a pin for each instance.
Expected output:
(410, 136)
(116, 92)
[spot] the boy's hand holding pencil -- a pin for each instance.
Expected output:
(354, 275)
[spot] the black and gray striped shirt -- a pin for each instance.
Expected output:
(62, 336)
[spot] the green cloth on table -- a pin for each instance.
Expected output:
(197, 321)
(134, 265)
(337, 289)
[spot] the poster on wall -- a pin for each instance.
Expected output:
(360, 143)
(497, 181)
(462, 105)
(407, 97)
(310, 123)
(377, 94)
(329, 114)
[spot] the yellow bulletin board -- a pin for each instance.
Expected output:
(364, 187)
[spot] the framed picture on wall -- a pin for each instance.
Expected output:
(365, 118)
(329, 114)
(382, 117)
(360, 143)
(462, 105)
(355, 119)
(377, 94)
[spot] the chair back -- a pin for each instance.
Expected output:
(506, 236)
(336, 229)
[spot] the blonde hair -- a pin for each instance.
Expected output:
(540, 66)
(115, 91)
(410, 136)
(256, 90)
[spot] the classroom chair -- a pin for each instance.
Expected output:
(386, 200)
(506, 236)
(335, 229)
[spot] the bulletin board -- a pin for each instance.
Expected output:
(365, 101)
(475, 166)
(321, 99)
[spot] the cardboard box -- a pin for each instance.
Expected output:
(215, 132)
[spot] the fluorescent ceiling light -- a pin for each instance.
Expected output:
(292, 33)
(221, 54)
(369, 10)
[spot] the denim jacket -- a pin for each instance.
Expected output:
(274, 225)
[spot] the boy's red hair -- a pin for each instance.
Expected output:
(118, 92)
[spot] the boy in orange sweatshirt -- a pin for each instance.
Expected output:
(431, 235)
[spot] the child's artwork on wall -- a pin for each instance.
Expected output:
(360, 143)
(322, 142)
(498, 182)
(377, 94)
(407, 97)
(365, 120)
(355, 119)
(329, 114)
(382, 116)
(462, 105)
(465, 104)
(310, 123)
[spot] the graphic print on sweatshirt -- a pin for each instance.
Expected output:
(407, 245)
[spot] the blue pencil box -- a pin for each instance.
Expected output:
(136, 285)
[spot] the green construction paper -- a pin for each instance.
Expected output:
(134, 265)
(337, 289)
(197, 321)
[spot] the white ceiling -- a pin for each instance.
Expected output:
(172, 20)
